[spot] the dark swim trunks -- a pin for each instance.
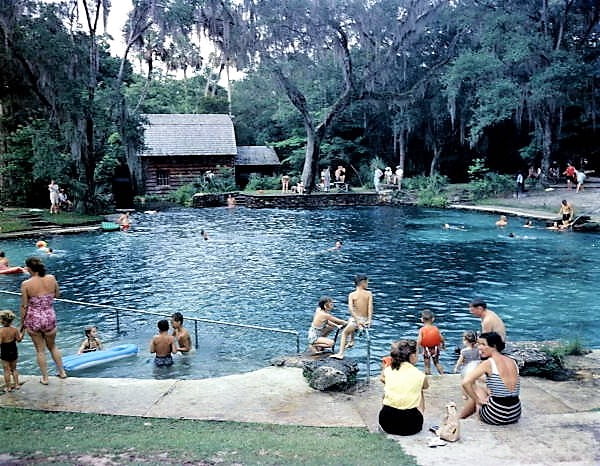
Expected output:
(8, 351)
(163, 361)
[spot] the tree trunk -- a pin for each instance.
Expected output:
(311, 159)
(546, 143)
(402, 149)
(437, 151)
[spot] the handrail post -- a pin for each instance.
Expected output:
(297, 343)
(196, 332)
(118, 323)
(368, 356)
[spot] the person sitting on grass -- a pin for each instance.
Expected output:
(322, 323)
(163, 345)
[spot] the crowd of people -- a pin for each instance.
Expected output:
(490, 380)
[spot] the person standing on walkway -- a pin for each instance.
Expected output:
(54, 197)
(570, 174)
(520, 184)
(490, 321)
(580, 176)
(38, 316)
(326, 179)
(377, 174)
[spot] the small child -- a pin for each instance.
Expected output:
(430, 341)
(9, 336)
(322, 323)
(387, 360)
(91, 342)
(468, 354)
(469, 357)
(163, 345)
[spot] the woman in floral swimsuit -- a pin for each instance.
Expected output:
(38, 317)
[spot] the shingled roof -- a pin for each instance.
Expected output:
(188, 134)
(256, 155)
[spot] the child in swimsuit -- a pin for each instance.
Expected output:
(163, 345)
(9, 336)
(91, 342)
(430, 341)
(321, 325)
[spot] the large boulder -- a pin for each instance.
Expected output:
(537, 359)
(331, 374)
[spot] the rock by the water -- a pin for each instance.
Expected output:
(535, 359)
(331, 374)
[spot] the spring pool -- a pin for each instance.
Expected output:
(269, 267)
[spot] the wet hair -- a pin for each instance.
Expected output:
(163, 325)
(478, 302)
(36, 265)
(323, 300)
(401, 351)
(6, 317)
(2, 254)
(493, 340)
(470, 336)
(177, 317)
(361, 277)
(564, 202)
(427, 315)
(88, 330)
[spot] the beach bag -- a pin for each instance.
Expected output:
(450, 428)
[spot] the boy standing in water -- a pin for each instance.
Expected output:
(360, 305)
(163, 345)
(183, 341)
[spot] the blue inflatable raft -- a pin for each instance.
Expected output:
(76, 362)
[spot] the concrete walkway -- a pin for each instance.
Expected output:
(560, 424)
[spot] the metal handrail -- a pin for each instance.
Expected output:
(195, 319)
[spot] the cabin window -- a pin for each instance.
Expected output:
(162, 178)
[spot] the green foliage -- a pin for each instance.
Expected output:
(260, 182)
(571, 348)
(491, 185)
(477, 170)
(430, 190)
(183, 195)
(222, 181)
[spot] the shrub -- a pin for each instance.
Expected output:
(430, 190)
(491, 185)
(257, 182)
(183, 195)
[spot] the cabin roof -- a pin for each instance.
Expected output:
(256, 155)
(184, 134)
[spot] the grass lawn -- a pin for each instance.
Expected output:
(73, 438)
(10, 220)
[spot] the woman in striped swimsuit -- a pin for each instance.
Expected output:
(499, 404)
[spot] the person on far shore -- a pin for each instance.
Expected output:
(567, 212)
(340, 174)
(9, 337)
(490, 321)
(431, 342)
(326, 179)
(520, 184)
(398, 175)
(502, 221)
(499, 404)
(360, 306)
(38, 316)
(580, 177)
(182, 336)
(285, 184)
(54, 197)
(570, 174)
(91, 342)
(403, 401)
(322, 323)
(163, 345)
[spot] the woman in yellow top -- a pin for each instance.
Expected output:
(403, 402)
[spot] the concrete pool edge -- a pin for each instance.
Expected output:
(560, 420)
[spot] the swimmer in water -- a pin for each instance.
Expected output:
(230, 201)
(124, 221)
(528, 224)
(338, 245)
(502, 222)
(204, 235)
(447, 226)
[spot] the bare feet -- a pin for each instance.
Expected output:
(337, 356)
(44, 381)
(62, 375)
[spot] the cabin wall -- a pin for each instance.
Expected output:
(181, 170)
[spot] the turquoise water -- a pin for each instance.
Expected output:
(269, 267)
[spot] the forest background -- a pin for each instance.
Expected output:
(458, 88)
